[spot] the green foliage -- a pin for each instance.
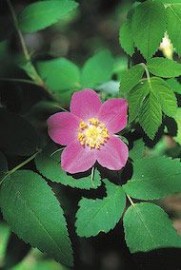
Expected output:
(97, 69)
(174, 85)
(150, 117)
(148, 27)
(61, 77)
(100, 215)
(148, 227)
(147, 101)
(60, 74)
(178, 121)
(135, 99)
(48, 164)
(137, 151)
(173, 10)
(126, 37)
(163, 67)
(154, 178)
(35, 215)
(42, 14)
(130, 78)
(17, 137)
(165, 96)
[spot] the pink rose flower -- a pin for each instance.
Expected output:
(88, 132)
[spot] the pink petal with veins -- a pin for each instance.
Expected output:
(85, 104)
(113, 113)
(76, 158)
(113, 155)
(63, 127)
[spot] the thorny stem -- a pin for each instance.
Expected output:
(20, 165)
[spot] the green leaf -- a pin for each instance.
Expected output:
(100, 215)
(40, 15)
(136, 98)
(137, 152)
(97, 69)
(148, 27)
(150, 117)
(165, 96)
(35, 215)
(17, 137)
(178, 121)
(130, 78)
(174, 85)
(174, 23)
(60, 75)
(154, 178)
(48, 164)
(160, 97)
(126, 37)
(164, 67)
(148, 227)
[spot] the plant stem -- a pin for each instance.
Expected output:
(25, 51)
(18, 80)
(147, 72)
(130, 200)
(20, 165)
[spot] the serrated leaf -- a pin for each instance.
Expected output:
(35, 215)
(40, 15)
(148, 27)
(174, 85)
(173, 12)
(126, 37)
(165, 96)
(164, 67)
(97, 69)
(178, 121)
(150, 117)
(148, 227)
(154, 178)
(48, 164)
(60, 75)
(135, 100)
(130, 78)
(100, 215)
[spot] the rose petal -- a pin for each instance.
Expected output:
(62, 127)
(113, 113)
(85, 104)
(113, 155)
(75, 158)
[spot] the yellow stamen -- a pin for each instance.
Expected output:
(92, 133)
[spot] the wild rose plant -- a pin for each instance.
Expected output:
(65, 175)
(88, 131)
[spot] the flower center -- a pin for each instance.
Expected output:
(92, 133)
